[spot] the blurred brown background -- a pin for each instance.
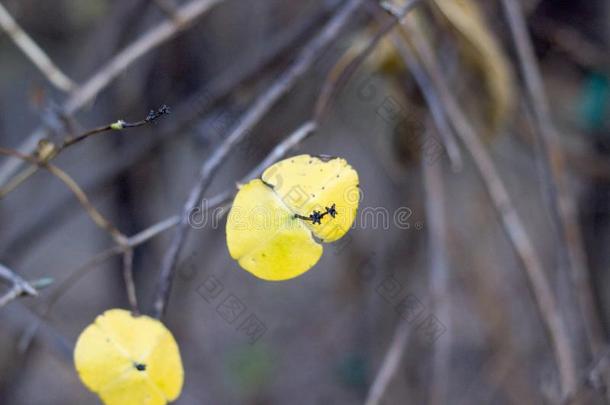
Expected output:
(325, 334)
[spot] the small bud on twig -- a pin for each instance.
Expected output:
(117, 126)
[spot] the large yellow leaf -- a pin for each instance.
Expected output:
(129, 360)
(273, 221)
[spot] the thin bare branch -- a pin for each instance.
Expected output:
(19, 286)
(130, 284)
(99, 219)
(347, 64)
(344, 69)
(161, 33)
(115, 126)
(436, 110)
(282, 148)
(439, 287)
(95, 215)
(61, 289)
(19, 179)
(554, 321)
(120, 239)
(334, 83)
(48, 151)
(156, 36)
(560, 196)
(49, 335)
(34, 52)
(390, 363)
(153, 231)
(436, 220)
(250, 119)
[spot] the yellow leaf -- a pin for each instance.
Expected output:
(129, 360)
(273, 221)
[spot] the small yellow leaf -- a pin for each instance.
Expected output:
(129, 360)
(273, 221)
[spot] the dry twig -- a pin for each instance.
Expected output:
(436, 220)
(120, 239)
(48, 151)
(439, 287)
(513, 225)
(390, 364)
(94, 214)
(34, 52)
(156, 36)
(436, 111)
(561, 198)
(335, 81)
(20, 286)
